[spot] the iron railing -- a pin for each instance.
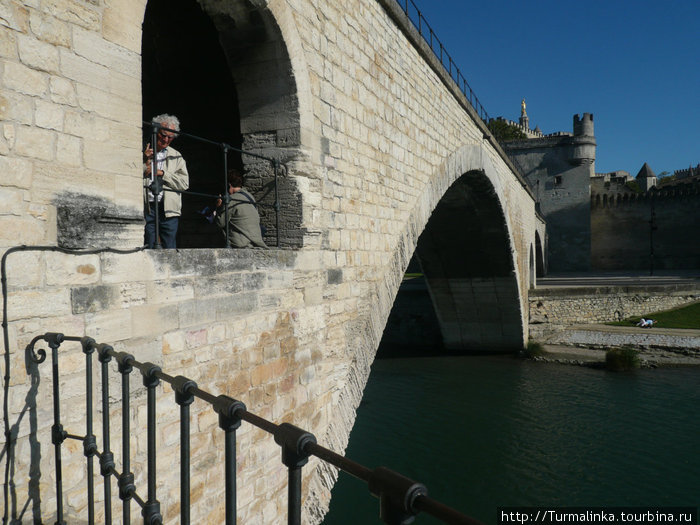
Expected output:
(156, 188)
(424, 29)
(400, 498)
(421, 24)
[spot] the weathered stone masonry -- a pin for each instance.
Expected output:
(241, 323)
(372, 138)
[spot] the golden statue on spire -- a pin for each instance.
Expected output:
(522, 108)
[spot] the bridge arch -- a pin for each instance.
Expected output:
(540, 267)
(468, 256)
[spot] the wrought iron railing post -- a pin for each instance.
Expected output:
(107, 458)
(126, 478)
(58, 435)
(230, 411)
(397, 495)
(183, 396)
(225, 196)
(293, 441)
(151, 509)
(155, 185)
(89, 442)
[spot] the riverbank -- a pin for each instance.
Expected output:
(595, 358)
(586, 345)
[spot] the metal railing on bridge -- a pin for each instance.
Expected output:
(400, 498)
(424, 29)
(157, 186)
(421, 24)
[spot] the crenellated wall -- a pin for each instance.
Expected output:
(622, 234)
(374, 138)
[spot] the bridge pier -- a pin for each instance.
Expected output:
(473, 313)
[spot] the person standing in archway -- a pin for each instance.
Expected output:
(171, 174)
(243, 217)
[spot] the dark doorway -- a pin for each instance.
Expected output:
(185, 73)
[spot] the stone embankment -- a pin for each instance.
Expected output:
(568, 322)
(587, 344)
(552, 309)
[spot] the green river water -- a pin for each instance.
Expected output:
(484, 432)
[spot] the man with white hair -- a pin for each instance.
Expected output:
(171, 174)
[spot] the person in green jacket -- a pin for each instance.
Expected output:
(243, 219)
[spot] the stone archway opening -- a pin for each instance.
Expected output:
(223, 70)
(465, 261)
(184, 73)
(540, 269)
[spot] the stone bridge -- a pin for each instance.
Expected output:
(383, 157)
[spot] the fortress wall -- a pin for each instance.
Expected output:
(291, 333)
(621, 235)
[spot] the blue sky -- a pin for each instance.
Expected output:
(634, 64)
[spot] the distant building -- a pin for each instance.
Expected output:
(685, 174)
(606, 221)
(615, 176)
(558, 167)
(646, 178)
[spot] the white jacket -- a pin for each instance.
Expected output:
(175, 177)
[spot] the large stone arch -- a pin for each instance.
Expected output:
(463, 239)
(465, 253)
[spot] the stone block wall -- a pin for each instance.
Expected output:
(621, 237)
(252, 325)
(382, 135)
(554, 309)
(69, 115)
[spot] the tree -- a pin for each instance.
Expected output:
(633, 185)
(504, 132)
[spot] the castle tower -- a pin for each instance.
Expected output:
(583, 126)
(558, 168)
(646, 178)
(584, 140)
(524, 120)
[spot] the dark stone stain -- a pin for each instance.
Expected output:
(335, 276)
(87, 221)
(86, 299)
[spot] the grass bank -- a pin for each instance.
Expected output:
(685, 317)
